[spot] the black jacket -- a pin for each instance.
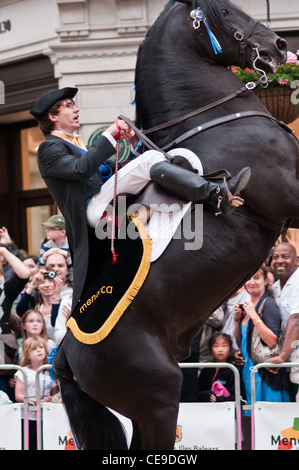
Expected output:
(208, 376)
(72, 178)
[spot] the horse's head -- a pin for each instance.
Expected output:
(229, 36)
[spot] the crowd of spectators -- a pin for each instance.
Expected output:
(269, 304)
(40, 285)
(35, 303)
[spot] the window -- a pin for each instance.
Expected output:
(30, 141)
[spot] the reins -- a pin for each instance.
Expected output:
(248, 87)
(218, 122)
(142, 134)
(198, 129)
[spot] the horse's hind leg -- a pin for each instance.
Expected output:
(136, 437)
(94, 426)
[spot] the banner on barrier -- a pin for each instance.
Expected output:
(57, 434)
(200, 426)
(11, 432)
(276, 426)
(206, 426)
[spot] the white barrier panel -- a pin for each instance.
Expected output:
(221, 432)
(11, 432)
(276, 426)
(206, 426)
(57, 434)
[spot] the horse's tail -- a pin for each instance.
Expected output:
(93, 425)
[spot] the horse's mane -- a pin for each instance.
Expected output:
(212, 8)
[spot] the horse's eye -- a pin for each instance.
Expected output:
(225, 12)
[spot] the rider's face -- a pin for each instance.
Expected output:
(67, 119)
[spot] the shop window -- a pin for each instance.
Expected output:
(30, 141)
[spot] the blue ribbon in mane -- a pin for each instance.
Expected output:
(199, 16)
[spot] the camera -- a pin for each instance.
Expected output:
(49, 275)
(241, 307)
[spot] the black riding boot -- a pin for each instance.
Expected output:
(192, 187)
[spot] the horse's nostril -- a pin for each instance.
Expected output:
(282, 45)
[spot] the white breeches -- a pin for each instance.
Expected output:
(131, 179)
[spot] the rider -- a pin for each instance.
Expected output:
(70, 170)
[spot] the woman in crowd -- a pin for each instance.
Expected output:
(49, 300)
(260, 312)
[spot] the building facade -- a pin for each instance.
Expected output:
(89, 44)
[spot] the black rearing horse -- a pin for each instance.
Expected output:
(135, 369)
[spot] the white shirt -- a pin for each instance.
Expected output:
(287, 298)
(45, 382)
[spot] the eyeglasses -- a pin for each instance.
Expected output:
(53, 228)
(69, 105)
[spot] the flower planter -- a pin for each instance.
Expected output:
(278, 102)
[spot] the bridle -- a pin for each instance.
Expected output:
(198, 16)
(244, 39)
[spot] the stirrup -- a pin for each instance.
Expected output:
(232, 201)
(235, 201)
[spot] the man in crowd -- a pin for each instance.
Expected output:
(286, 294)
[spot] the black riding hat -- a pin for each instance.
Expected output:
(47, 100)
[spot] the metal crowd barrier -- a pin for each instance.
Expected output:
(213, 365)
(254, 371)
(197, 365)
(39, 405)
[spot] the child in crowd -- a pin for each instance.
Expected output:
(217, 384)
(55, 238)
(34, 356)
(33, 324)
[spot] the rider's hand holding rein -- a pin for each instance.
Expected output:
(122, 127)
